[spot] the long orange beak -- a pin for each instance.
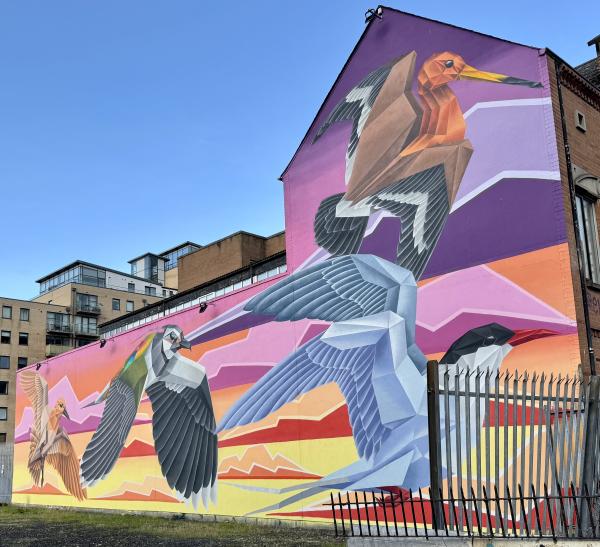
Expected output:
(471, 73)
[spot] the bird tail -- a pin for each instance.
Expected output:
(338, 235)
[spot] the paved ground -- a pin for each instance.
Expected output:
(44, 527)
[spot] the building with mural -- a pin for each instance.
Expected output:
(433, 194)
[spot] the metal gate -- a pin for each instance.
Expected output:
(511, 455)
(6, 472)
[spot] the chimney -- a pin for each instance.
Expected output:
(595, 42)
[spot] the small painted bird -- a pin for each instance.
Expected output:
(49, 442)
(406, 156)
(183, 421)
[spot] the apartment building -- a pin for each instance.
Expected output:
(23, 340)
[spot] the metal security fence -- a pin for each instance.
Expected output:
(6, 472)
(385, 514)
(511, 455)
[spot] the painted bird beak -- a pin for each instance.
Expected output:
(66, 414)
(470, 73)
(185, 344)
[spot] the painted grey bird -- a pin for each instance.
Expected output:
(49, 442)
(370, 352)
(183, 421)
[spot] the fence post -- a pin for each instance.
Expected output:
(590, 454)
(435, 451)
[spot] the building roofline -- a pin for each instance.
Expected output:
(594, 40)
(146, 254)
(33, 302)
(354, 50)
(179, 247)
(166, 300)
(91, 265)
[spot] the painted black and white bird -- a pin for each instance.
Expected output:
(183, 421)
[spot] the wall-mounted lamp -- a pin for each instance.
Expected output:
(102, 342)
(373, 13)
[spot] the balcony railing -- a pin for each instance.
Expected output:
(56, 349)
(86, 331)
(58, 327)
(88, 308)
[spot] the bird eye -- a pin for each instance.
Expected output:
(173, 336)
(449, 63)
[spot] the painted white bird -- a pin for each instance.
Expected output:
(183, 421)
(49, 442)
(370, 352)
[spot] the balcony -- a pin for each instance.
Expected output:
(55, 349)
(58, 327)
(91, 309)
(86, 331)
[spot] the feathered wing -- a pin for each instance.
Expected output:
(339, 235)
(107, 442)
(63, 458)
(337, 289)
(421, 203)
(185, 439)
(314, 364)
(36, 389)
(356, 106)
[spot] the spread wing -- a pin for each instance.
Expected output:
(421, 203)
(185, 439)
(356, 106)
(36, 389)
(315, 364)
(107, 442)
(340, 288)
(63, 458)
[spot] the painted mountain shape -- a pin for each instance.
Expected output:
(137, 449)
(335, 423)
(47, 489)
(81, 419)
(238, 374)
(459, 301)
(258, 463)
(153, 495)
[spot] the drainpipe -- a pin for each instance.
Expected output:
(578, 244)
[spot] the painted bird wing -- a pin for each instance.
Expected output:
(36, 389)
(314, 364)
(421, 203)
(356, 106)
(337, 289)
(62, 457)
(107, 442)
(185, 439)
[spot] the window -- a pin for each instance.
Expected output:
(129, 305)
(22, 362)
(3, 388)
(116, 304)
(4, 361)
(580, 121)
(131, 287)
(3, 413)
(23, 339)
(150, 291)
(588, 235)
(164, 292)
(6, 312)
(86, 325)
(87, 303)
(58, 322)
(24, 314)
(5, 337)
(2, 438)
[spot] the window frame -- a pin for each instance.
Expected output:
(21, 314)
(9, 315)
(588, 236)
(117, 302)
(127, 305)
(19, 365)
(7, 361)
(4, 384)
(5, 419)
(3, 438)
(2, 333)
(23, 336)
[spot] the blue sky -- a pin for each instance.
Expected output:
(130, 126)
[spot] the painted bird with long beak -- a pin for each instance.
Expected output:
(183, 421)
(405, 155)
(49, 442)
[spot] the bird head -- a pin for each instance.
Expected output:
(442, 68)
(61, 408)
(173, 340)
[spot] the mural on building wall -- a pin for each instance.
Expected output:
(423, 220)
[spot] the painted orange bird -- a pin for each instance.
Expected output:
(406, 156)
(49, 442)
